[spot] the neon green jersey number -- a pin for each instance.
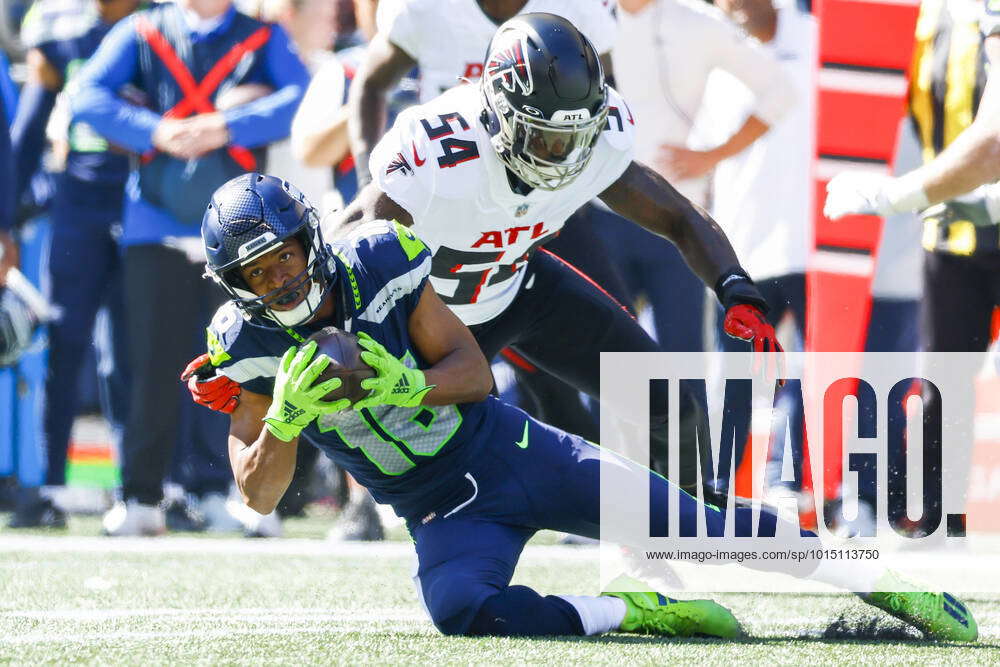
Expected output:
(392, 437)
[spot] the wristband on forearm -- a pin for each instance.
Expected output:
(734, 286)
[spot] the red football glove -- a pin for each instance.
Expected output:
(748, 323)
(213, 391)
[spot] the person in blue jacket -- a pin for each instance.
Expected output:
(184, 57)
(84, 263)
(8, 247)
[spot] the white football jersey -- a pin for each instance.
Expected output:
(448, 38)
(438, 164)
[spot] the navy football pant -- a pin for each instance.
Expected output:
(84, 275)
(544, 395)
(561, 321)
(467, 550)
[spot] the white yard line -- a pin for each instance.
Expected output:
(234, 614)
(117, 636)
(226, 546)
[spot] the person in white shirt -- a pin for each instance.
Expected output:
(312, 26)
(762, 196)
(665, 52)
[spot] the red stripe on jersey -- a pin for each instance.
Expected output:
(482, 281)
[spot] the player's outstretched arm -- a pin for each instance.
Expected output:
(262, 464)
(971, 160)
(384, 65)
(646, 198)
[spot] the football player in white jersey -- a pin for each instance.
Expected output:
(486, 174)
(447, 40)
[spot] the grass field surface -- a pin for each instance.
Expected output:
(72, 598)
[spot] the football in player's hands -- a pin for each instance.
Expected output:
(345, 363)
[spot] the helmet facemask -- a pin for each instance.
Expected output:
(316, 279)
(546, 154)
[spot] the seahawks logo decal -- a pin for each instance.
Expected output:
(508, 65)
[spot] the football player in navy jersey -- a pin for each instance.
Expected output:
(487, 174)
(473, 477)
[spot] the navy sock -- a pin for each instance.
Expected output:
(520, 611)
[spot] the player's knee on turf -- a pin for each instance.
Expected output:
(453, 603)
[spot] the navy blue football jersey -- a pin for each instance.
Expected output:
(410, 458)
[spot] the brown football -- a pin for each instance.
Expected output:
(345, 363)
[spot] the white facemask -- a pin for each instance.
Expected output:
(300, 314)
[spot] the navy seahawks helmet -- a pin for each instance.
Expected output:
(544, 97)
(250, 216)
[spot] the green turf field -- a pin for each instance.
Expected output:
(303, 601)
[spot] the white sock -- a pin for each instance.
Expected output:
(854, 576)
(598, 614)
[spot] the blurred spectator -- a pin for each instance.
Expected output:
(311, 24)
(319, 131)
(665, 51)
(954, 164)
(8, 246)
(84, 262)
(184, 56)
(763, 195)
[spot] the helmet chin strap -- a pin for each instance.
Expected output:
(300, 313)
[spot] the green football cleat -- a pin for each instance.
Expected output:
(655, 614)
(938, 615)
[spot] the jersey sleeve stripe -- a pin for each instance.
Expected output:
(251, 368)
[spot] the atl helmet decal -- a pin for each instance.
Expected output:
(399, 163)
(507, 64)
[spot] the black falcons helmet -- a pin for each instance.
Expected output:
(545, 99)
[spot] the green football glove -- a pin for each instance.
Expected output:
(295, 402)
(394, 383)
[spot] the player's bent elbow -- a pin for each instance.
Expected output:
(990, 154)
(484, 383)
(258, 495)
(484, 387)
(262, 503)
